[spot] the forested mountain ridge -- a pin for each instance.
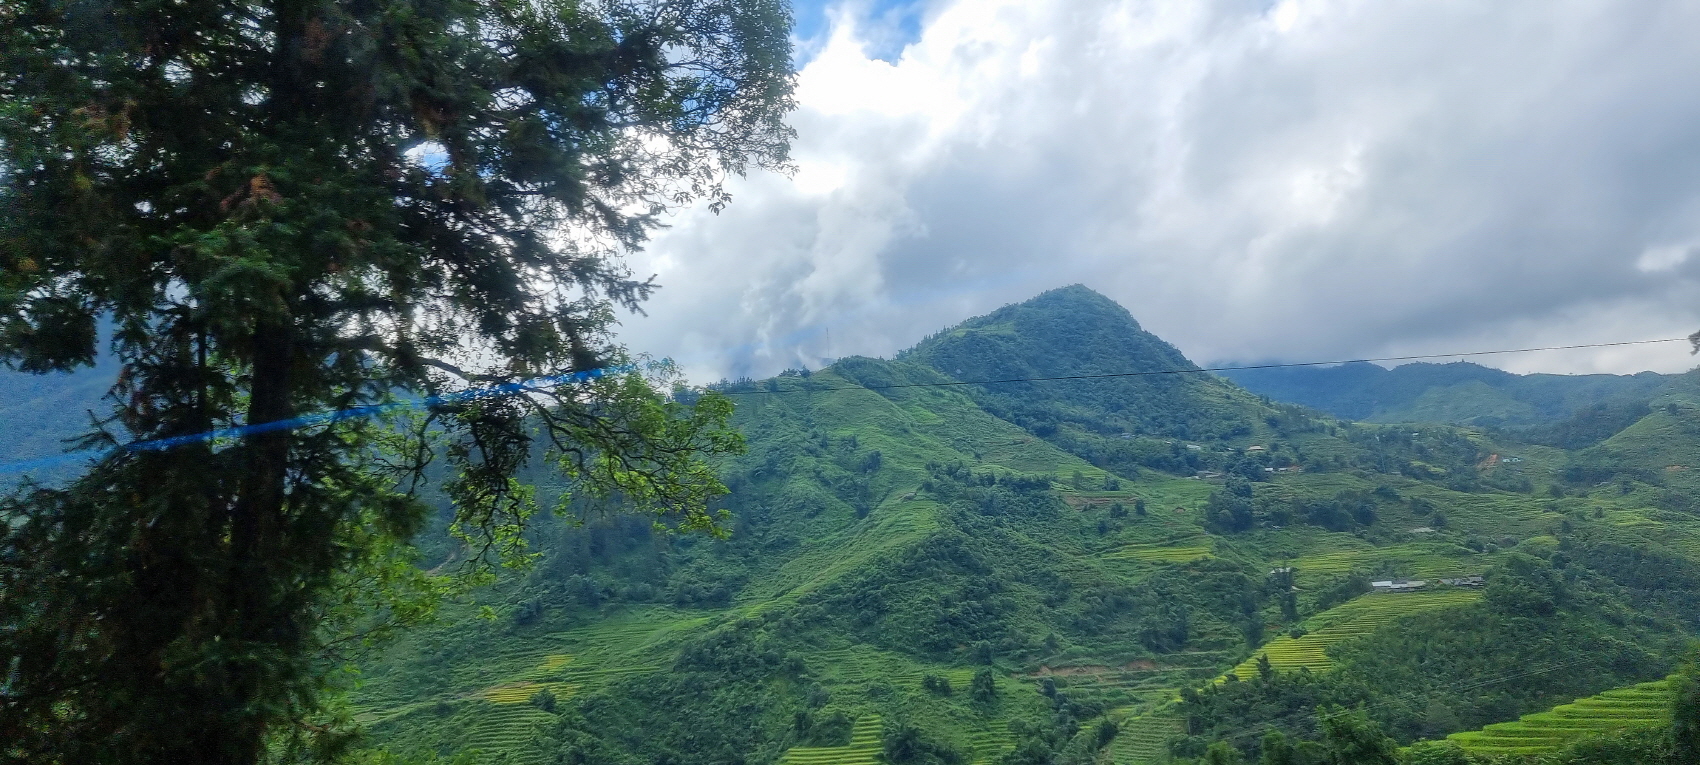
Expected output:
(1564, 409)
(1116, 422)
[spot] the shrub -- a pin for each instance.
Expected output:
(906, 744)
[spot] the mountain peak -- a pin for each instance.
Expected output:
(1077, 296)
(1067, 330)
(1130, 385)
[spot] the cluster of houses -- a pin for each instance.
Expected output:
(1398, 585)
(1412, 585)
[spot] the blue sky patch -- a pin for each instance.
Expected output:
(888, 26)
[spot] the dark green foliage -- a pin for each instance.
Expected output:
(1685, 713)
(1276, 750)
(938, 595)
(1064, 737)
(1587, 426)
(1422, 452)
(1436, 753)
(1651, 576)
(287, 208)
(1221, 753)
(743, 693)
(1525, 586)
(1104, 733)
(1352, 739)
(830, 729)
(1229, 511)
(1638, 747)
(1340, 589)
(904, 743)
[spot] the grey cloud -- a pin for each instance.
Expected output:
(1377, 178)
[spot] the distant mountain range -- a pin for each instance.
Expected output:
(1459, 392)
(39, 412)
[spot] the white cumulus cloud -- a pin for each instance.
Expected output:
(1302, 180)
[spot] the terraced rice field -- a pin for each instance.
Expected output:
(521, 692)
(1120, 686)
(1160, 553)
(509, 723)
(1354, 618)
(860, 665)
(1125, 687)
(510, 728)
(1144, 739)
(1644, 705)
(1425, 561)
(864, 748)
(500, 721)
(991, 743)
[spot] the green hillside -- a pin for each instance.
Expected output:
(1644, 705)
(1115, 570)
(1355, 618)
(1051, 572)
(1122, 423)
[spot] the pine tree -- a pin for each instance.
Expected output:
(287, 207)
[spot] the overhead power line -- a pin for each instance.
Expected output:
(1197, 370)
(530, 386)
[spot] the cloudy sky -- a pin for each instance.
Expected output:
(1297, 180)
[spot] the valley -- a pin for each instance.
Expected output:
(1120, 570)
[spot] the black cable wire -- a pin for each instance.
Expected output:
(1148, 373)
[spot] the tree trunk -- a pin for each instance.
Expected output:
(255, 617)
